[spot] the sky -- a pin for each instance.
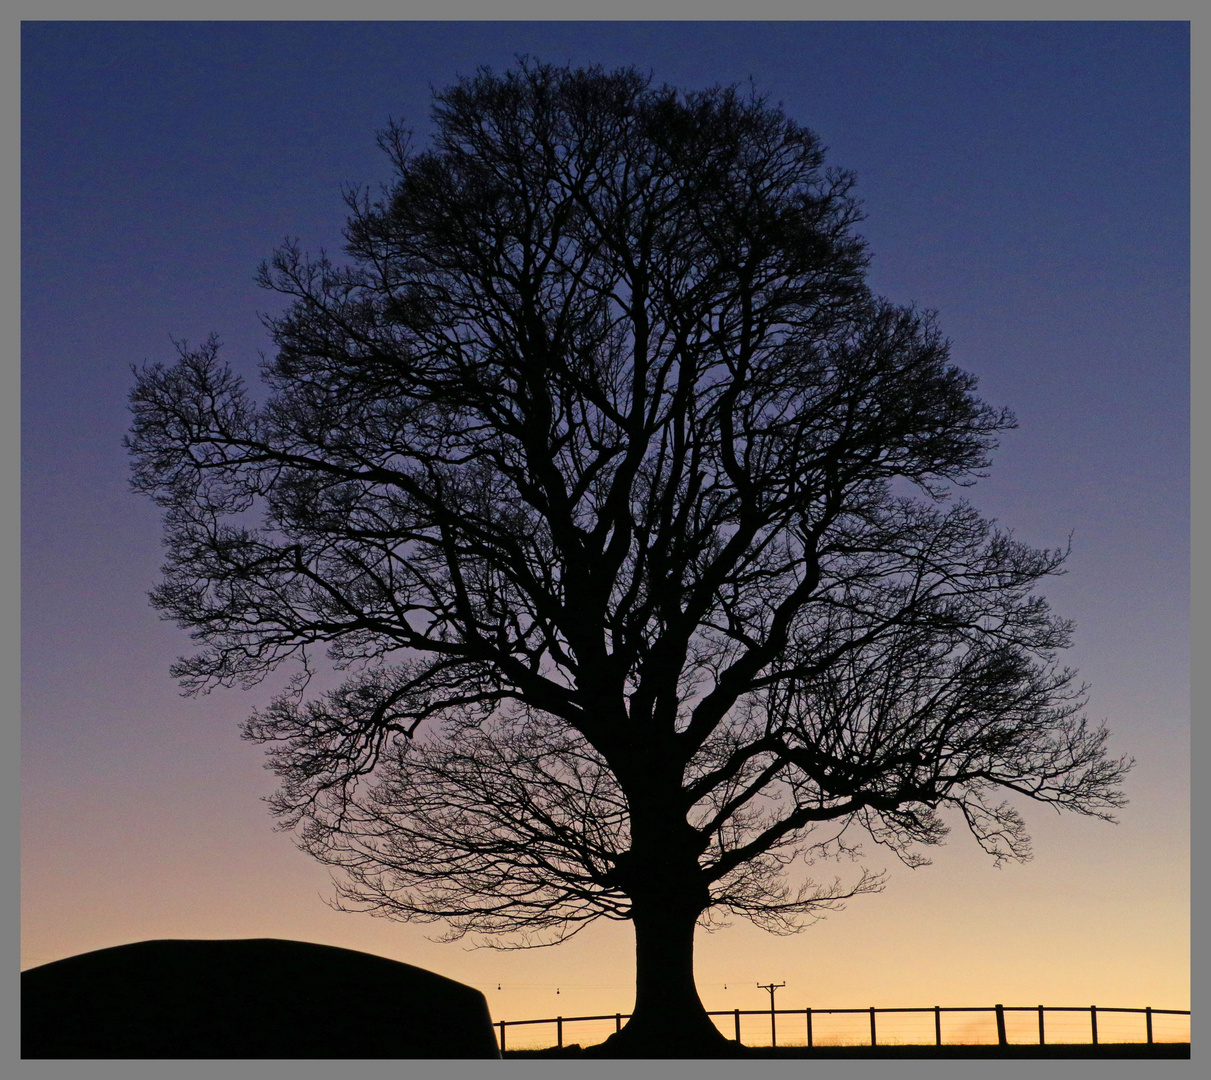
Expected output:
(1029, 181)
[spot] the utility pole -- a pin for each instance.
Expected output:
(771, 987)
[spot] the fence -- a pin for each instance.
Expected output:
(1006, 1029)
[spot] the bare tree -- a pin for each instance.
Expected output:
(634, 517)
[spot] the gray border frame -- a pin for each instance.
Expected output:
(53, 10)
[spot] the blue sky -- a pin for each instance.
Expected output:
(1030, 181)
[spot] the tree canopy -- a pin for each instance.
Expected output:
(636, 520)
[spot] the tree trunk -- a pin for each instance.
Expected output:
(669, 1020)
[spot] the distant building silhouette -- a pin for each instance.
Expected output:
(259, 998)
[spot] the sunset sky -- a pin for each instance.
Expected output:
(1030, 181)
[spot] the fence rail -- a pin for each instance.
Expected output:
(1092, 1011)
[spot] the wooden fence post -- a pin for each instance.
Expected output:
(1093, 1022)
(937, 1025)
(737, 1025)
(1001, 1039)
(502, 1036)
(1148, 1019)
(809, 1027)
(872, 1026)
(1042, 1040)
(559, 1029)
(618, 1021)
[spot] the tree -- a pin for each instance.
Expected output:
(634, 517)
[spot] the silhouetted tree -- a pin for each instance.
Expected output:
(632, 514)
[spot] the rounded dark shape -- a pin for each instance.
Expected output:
(258, 998)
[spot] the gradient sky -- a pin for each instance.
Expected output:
(1030, 181)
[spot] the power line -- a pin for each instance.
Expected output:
(557, 987)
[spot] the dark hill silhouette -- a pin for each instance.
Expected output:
(258, 998)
